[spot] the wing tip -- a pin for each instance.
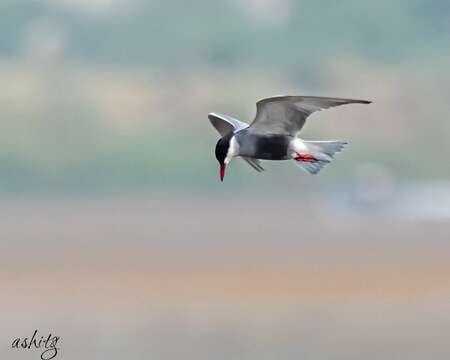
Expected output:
(212, 115)
(354, 101)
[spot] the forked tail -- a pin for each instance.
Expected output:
(317, 154)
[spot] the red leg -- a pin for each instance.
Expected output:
(305, 157)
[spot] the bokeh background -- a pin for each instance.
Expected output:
(116, 234)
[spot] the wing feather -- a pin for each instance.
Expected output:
(286, 115)
(225, 124)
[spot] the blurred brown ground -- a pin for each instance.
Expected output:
(154, 278)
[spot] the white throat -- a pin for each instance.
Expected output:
(233, 150)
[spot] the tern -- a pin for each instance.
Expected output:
(273, 134)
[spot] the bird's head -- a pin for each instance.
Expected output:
(224, 152)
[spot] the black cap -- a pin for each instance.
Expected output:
(222, 147)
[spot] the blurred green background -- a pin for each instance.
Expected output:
(116, 233)
(112, 96)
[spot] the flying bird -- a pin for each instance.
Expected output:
(273, 134)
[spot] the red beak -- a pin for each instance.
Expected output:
(222, 171)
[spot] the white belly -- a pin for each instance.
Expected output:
(298, 146)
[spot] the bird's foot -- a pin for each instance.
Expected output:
(305, 157)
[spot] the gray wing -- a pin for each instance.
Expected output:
(286, 115)
(225, 124)
(254, 163)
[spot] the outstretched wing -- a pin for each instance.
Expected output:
(286, 115)
(225, 124)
